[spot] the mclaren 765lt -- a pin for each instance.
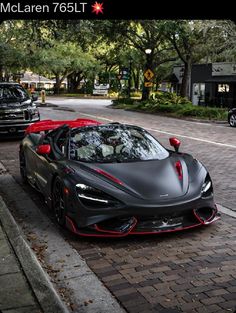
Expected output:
(113, 180)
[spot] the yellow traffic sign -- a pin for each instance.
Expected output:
(148, 84)
(149, 74)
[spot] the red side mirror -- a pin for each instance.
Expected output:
(43, 149)
(174, 142)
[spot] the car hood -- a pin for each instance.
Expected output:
(152, 180)
(11, 104)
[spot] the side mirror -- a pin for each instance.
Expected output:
(43, 149)
(174, 142)
(34, 97)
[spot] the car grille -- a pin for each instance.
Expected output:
(21, 115)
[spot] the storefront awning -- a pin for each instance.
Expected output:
(222, 79)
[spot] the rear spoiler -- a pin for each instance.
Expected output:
(50, 124)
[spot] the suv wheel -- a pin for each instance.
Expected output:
(232, 120)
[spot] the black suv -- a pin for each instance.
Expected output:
(17, 109)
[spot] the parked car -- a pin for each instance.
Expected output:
(17, 109)
(232, 117)
(114, 180)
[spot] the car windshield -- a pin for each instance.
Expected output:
(14, 92)
(114, 143)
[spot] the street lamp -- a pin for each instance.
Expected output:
(148, 51)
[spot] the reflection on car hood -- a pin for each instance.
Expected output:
(152, 180)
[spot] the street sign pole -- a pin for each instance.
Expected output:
(148, 75)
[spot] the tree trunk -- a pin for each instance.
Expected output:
(184, 90)
(136, 76)
(149, 65)
(74, 80)
(57, 85)
(1, 73)
(157, 83)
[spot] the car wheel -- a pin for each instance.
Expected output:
(23, 170)
(58, 203)
(232, 120)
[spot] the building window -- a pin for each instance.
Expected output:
(223, 87)
(198, 96)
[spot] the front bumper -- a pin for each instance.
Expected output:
(15, 128)
(143, 225)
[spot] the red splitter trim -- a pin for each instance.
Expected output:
(71, 225)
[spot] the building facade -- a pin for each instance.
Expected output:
(212, 84)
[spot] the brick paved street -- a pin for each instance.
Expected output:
(191, 271)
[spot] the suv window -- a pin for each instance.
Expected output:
(14, 92)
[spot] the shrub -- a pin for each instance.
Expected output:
(168, 103)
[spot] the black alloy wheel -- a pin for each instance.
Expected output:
(58, 199)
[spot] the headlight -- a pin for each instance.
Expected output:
(34, 113)
(93, 197)
(207, 188)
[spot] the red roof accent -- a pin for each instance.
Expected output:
(179, 169)
(50, 124)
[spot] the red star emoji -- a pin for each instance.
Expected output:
(97, 8)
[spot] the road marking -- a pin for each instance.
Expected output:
(168, 133)
(226, 210)
(193, 138)
(99, 117)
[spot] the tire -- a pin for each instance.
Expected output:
(58, 201)
(232, 120)
(23, 170)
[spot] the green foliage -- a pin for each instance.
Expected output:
(123, 101)
(136, 94)
(171, 104)
(13, 55)
(79, 49)
(166, 98)
(64, 58)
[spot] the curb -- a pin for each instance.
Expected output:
(46, 105)
(49, 301)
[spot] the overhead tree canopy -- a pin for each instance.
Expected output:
(77, 49)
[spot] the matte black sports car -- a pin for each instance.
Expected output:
(115, 179)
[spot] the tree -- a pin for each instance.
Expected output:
(12, 53)
(192, 42)
(64, 59)
(140, 35)
(224, 41)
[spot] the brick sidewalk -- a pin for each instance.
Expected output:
(16, 294)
